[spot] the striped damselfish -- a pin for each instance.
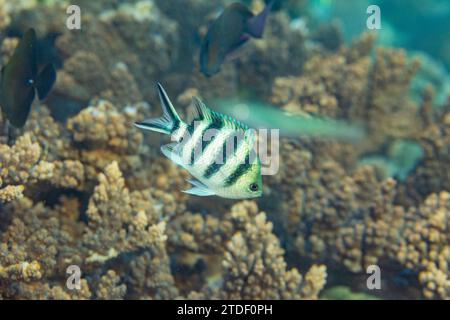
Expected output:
(215, 148)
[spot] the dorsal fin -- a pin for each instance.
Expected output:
(229, 121)
(202, 113)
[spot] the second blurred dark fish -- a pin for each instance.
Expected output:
(234, 27)
(20, 79)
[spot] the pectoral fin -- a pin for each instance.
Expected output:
(199, 192)
(199, 189)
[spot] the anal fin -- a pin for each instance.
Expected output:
(173, 152)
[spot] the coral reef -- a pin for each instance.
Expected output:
(4, 14)
(425, 245)
(80, 186)
(17, 165)
(339, 209)
(128, 46)
(254, 267)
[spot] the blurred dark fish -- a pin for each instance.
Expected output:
(20, 79)
(234, 27)
(260, 115)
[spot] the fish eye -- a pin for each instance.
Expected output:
(253, 187)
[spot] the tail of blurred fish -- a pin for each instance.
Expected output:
(168, 122)
(257, 23)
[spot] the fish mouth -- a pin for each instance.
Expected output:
(254, 196)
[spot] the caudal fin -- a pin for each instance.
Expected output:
(45, 81)
(255, 25)
(168, 122)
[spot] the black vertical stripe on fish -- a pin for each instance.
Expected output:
(203, 143)
(195, 150)
(238, 139)
(197, 141)
(179, 133)
(214, 167)
(190, 129)
(216, 126)
(176, 126)
(240, 170)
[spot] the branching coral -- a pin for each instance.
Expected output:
(41, 242)
(252, 260)
(17, 165)
(10, 193)
(339, 216)
(332, 206)
(329, 85)
(425, 245)
(109, 287)
(127, 46)
(103, 134)
(8, 45)
(103, 126)
(5, 18)
(349, 85)
(80, 186)
(433, 173)
(30, 244)
(197, 233)
(114, 226)
(353, 219)
(23, 168)
(254, 267)
(72, 155)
